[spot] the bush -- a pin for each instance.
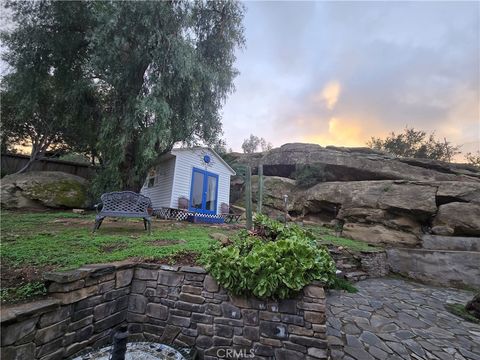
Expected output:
(274, 261)
(309, 175)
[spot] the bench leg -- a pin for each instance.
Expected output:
(98, 223)
(148, 225)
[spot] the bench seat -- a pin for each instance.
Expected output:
(125, 204)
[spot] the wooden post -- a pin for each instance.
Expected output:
(260, 189)
(248, 196)
(285, 200)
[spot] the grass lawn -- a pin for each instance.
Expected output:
(327, 237)
(35, 242)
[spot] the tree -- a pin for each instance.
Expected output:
(415, 144)
(167, 73)
(46, 103)
(473, 158)
(219, 146)
(251, 144)
(143, 75)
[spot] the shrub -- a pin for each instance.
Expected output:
(309, 175)
(273, 261)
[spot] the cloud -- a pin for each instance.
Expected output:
(341, 72)
(329, 95)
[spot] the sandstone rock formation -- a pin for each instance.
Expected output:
(378, 198)
(43, 189)
(354, 164)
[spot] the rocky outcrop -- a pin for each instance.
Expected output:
(43, 189)
(386, 200)
(388, 212)
(461, 218)
(353, 164)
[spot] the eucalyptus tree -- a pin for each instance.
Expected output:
(121, 81)
(166, 69)
(46, 101)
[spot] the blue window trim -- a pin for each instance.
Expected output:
(205, 174)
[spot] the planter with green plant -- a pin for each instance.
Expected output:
(272, 261)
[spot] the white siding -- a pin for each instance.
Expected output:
(186, 161)
(161, 192)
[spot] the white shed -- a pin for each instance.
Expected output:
(198, 174)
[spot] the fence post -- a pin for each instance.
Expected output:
(260, 189)
(248, 196)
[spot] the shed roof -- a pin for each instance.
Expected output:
(172, 153)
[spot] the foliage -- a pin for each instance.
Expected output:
(219, 146)
(45, 101)
(23, 292)
(415, 144)
(251, 144)
(274, 261)
(343, 284)
(139, 76)
(166, 81)
(473, 158)
(308, 175)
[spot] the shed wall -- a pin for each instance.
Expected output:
(186, 161)
(161, 192)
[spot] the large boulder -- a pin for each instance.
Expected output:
(379, 234)
(353, 164)
(391, 212)
(462, 218)
(43, 189)
(388, 212)
(377, 197)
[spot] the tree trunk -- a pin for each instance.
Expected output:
(130, 179)
(33, 157)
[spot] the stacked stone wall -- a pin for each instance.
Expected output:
(169, 304)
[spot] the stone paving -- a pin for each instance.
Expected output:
(396, 319)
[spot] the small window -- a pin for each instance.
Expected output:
(151, 178)
(151, 182)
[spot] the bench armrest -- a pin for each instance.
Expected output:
(97, 206)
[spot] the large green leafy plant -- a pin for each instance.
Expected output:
(273, 261)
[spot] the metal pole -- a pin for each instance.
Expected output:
(260, 189)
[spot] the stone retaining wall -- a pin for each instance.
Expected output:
(183, 306)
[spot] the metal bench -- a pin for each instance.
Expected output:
(126, 204)
(228, 216)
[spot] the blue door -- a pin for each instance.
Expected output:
(203, 192)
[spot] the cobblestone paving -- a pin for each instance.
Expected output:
(395, 319)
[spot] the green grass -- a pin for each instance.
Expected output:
(35, 242)
(23, 292)
(326, 236)
(53, 239)
(459, 310)
(343, 284)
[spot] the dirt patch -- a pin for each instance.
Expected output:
(186, 258)
(73, 221)
(113, 247)
(166, 242)
(182, 258)
(13, 277)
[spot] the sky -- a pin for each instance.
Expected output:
(337, 73)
